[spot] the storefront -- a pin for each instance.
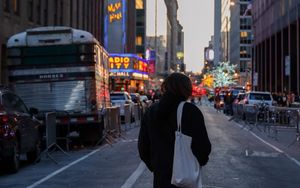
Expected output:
(128, 72)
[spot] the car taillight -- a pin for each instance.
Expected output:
(6, 128)
(3, 118)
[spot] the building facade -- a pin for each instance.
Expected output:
(174, 30)
(180, 65)
(125, 26)
(19, 15)
(160, 53)
(276, 58)
(241, 38)
(225, 28)
(140, 38)
(217, 29)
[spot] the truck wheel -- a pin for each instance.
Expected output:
(34, 155)
(13, 162)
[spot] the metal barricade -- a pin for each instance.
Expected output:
(240, 112)
(50, 137)
(250, 115)
(114, 120)
(127, 116)
(297, 139)
(137, 114)
(235, 110)
(112, 124)
(63, 129)
(283, 119)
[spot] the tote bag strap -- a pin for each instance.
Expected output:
(179, 115)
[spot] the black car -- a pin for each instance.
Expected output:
(19, 131)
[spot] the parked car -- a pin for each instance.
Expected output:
(239, 98)
(258, 97)
(19, 131)
(120, 99)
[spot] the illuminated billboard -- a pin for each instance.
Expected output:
(128, 66)
(115, 26)
(209, 54)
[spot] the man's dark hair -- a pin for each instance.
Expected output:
(178, 85)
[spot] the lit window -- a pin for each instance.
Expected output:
(16, 6)
(139, 40)
(244, 34)
(139, 4)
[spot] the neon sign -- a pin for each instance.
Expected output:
(117, 62)
(142, 66)
(122, 74)
(128, 65)
(114, 11)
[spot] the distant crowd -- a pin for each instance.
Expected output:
(286, 99)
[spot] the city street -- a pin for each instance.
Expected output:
(239, 158)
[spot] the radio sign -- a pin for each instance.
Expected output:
(119, 62)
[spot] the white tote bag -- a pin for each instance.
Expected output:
(186, 169)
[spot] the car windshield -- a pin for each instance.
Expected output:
(259, 96)
(116, 96)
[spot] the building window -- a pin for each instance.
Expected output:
(6, 6)
(30, 10)
(16, 6)
(139, 40)
(46, 13)
(245, 52)
(243, 66)
(77, 18)
(61, 13)
(83, 15)
(71, 13)
(179, 38)
(39, 11)
(56, 8)
(139, 4)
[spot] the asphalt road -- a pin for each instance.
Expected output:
(239, 159)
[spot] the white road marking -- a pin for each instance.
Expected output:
(246, 153)
(134, 176)
(272, 146)
(64, 168)
(264, 154)
(210, 186)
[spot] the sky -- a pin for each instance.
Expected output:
(197, 19)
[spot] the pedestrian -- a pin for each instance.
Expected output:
(217, 101)
(157, 132)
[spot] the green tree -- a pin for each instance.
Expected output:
(223, 74)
